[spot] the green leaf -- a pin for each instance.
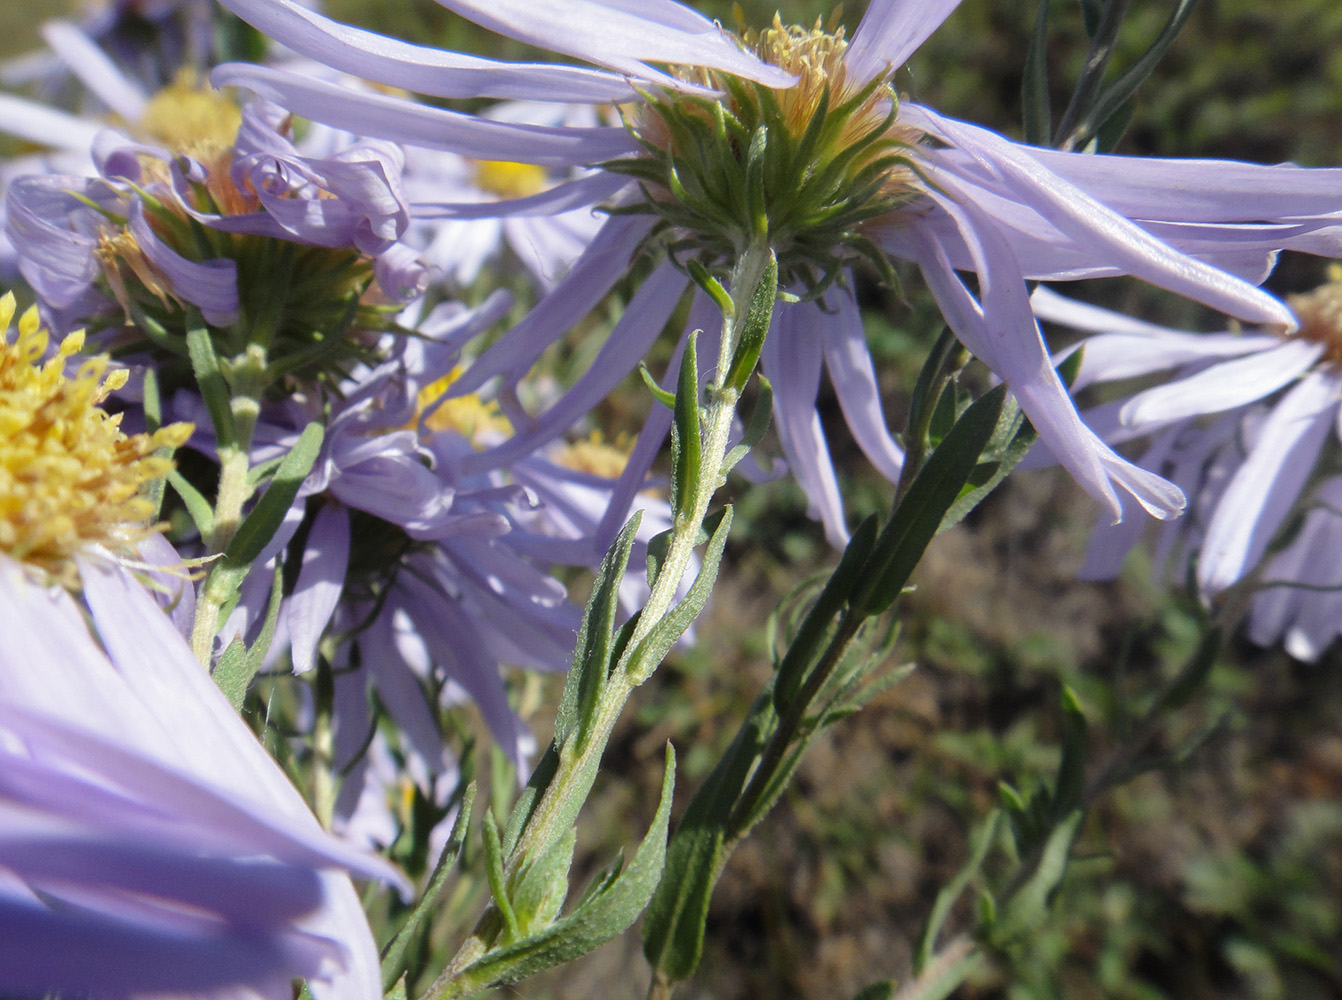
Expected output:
(667, 399)
(1193, 675)
(1071, 782)
(1122, 90)
(916, 520)
(213, 389)
(498, 887)
(1025, 910)
(756, 426)
(230, 673)
(592, 658)
(686, 444)
(258, 527)
(928, 376)
(673, 930)
(656, 644)
(979, 845)
(1034, 84)
(609, 909)
(756, 327)
(1011, 441)
(393, 955)
(816, 628)
(539, 887)
(256, 654)
(196, 505)
(711, 287)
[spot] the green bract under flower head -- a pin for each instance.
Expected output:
(800, 168)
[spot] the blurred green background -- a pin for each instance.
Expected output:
(1221, 878)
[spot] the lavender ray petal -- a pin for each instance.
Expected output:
(1223, 386)
(423, 69)
(622, 34)
(382, 117)
(46, 126)
(890, 32)
(1268, 483)
(1003, 333)
(212, 285)
(584, 192)
(854, 378)
(321, 579)
(1095, 226)
(95, 70)
(628, 343)
(791, 357)
(604, 262)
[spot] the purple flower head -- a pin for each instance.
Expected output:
(850, 171)
(295, 255)
(432, 577)
(1247, 423)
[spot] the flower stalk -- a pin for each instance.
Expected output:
(642, 643)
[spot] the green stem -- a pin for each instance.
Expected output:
(234, 491)
(576, 768)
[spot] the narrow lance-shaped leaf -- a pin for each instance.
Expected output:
(592, 655)
(657, 643)
(609, 909)
(756, 327)
(806, 645)
(1071, 782)
(213, 388)
(393, 955)
(979, 845)
(259, 526)
(238, 665)
(756, 425)
(915, 521)
(1034, 84)
(498, 887)
(712, 287)
(1026, 908)
(686, 446)
(673, 930)
(1117, 94)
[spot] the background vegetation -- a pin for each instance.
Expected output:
(1219, 878)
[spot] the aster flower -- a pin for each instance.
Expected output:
(274, 247)
(432, 578)
(1247, 423)
(148, 842)
(850, 171)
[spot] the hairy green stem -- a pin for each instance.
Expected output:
(575, 772)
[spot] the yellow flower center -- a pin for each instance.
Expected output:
(190, 118)
(510, 180)
(1320, 314)
(470, 416)
(69, 478)
(597, 456)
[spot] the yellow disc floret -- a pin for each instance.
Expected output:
(1320, 314)
(510, 180)
(192, 118)
(596, 456)
(70, 480)
(477, 420)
